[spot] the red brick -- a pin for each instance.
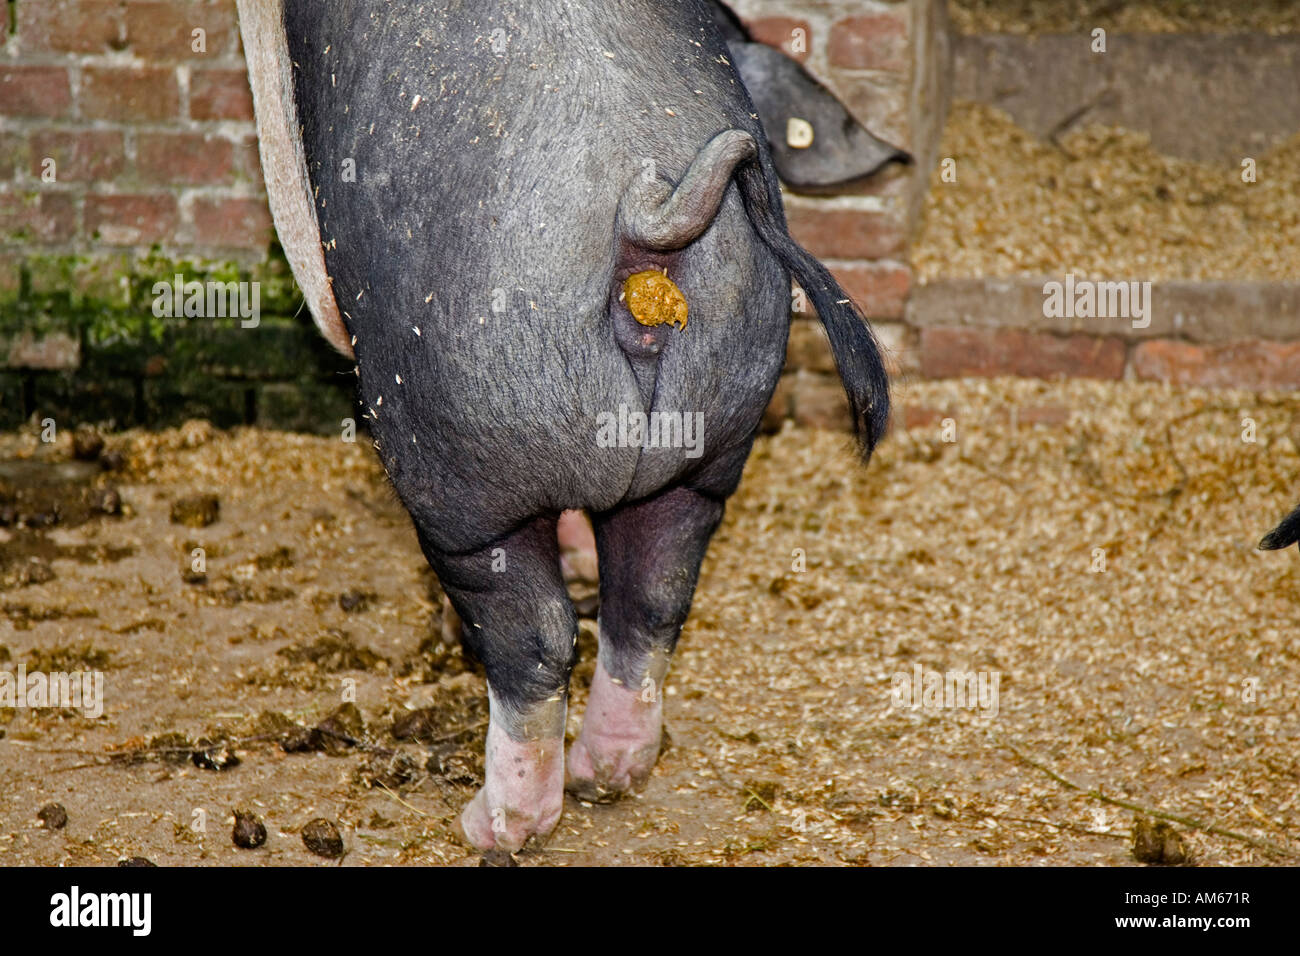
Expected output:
(898, 348)
(232, 223)
(80, 156)
(879, 288)
(846, 233)
(71, 26)
(819, 402)
(1250, 363)
(873, 42)
(38, 217)
(220, 95)
(187, 159)
(131, 220)
(780, 407)
(779, 32)
(1051, 415)
(808, 348)
(129, 94)
(954, 352)
(919, 416)
(163, 31)
(35, 91)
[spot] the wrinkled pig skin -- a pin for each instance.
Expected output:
(515, 163)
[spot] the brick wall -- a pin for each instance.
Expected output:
(139, 113)
(128, 154)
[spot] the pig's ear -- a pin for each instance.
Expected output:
(817, 145)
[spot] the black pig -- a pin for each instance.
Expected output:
(531, 222)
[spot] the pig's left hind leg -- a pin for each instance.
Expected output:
(519, 622)
(650, 555)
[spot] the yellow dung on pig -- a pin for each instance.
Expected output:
(654, 299)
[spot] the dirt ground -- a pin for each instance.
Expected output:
(1167, 681)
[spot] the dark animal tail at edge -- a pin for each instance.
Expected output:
(1286, 533)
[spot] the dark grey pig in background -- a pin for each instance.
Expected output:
(468, 195)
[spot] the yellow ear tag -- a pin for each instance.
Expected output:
(654, 299)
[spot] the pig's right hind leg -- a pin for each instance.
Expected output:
(650, 555)
(519, 622)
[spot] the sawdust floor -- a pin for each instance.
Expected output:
(1102, 203)
(1166, 680)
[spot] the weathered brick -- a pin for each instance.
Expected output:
(880, 289)
(782, 33)
(1251, 363)
(954, 352)
(780, 407)
(876, 41)
(808, 348)
(832, 233)
(71, 26)
(169, 402)
(220, 95)
(101, 278)
(15, 154)
(897, 347)
(11, 265)
(130, 94)
(163, 30)
(131, 220)
(70, 398)
(190, 159)
(819, 402)
(35, 91)
(309, 406)
(1052, 415)
(921, 416)
(79, 155)
(56, 350)
(13, 410)
(38, 217)
(232, 223)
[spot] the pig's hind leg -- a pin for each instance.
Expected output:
(650, 554)
(520, 623)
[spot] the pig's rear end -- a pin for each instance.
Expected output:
(486, 177)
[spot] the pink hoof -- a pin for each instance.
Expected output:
(522, 793)
(620, 738)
